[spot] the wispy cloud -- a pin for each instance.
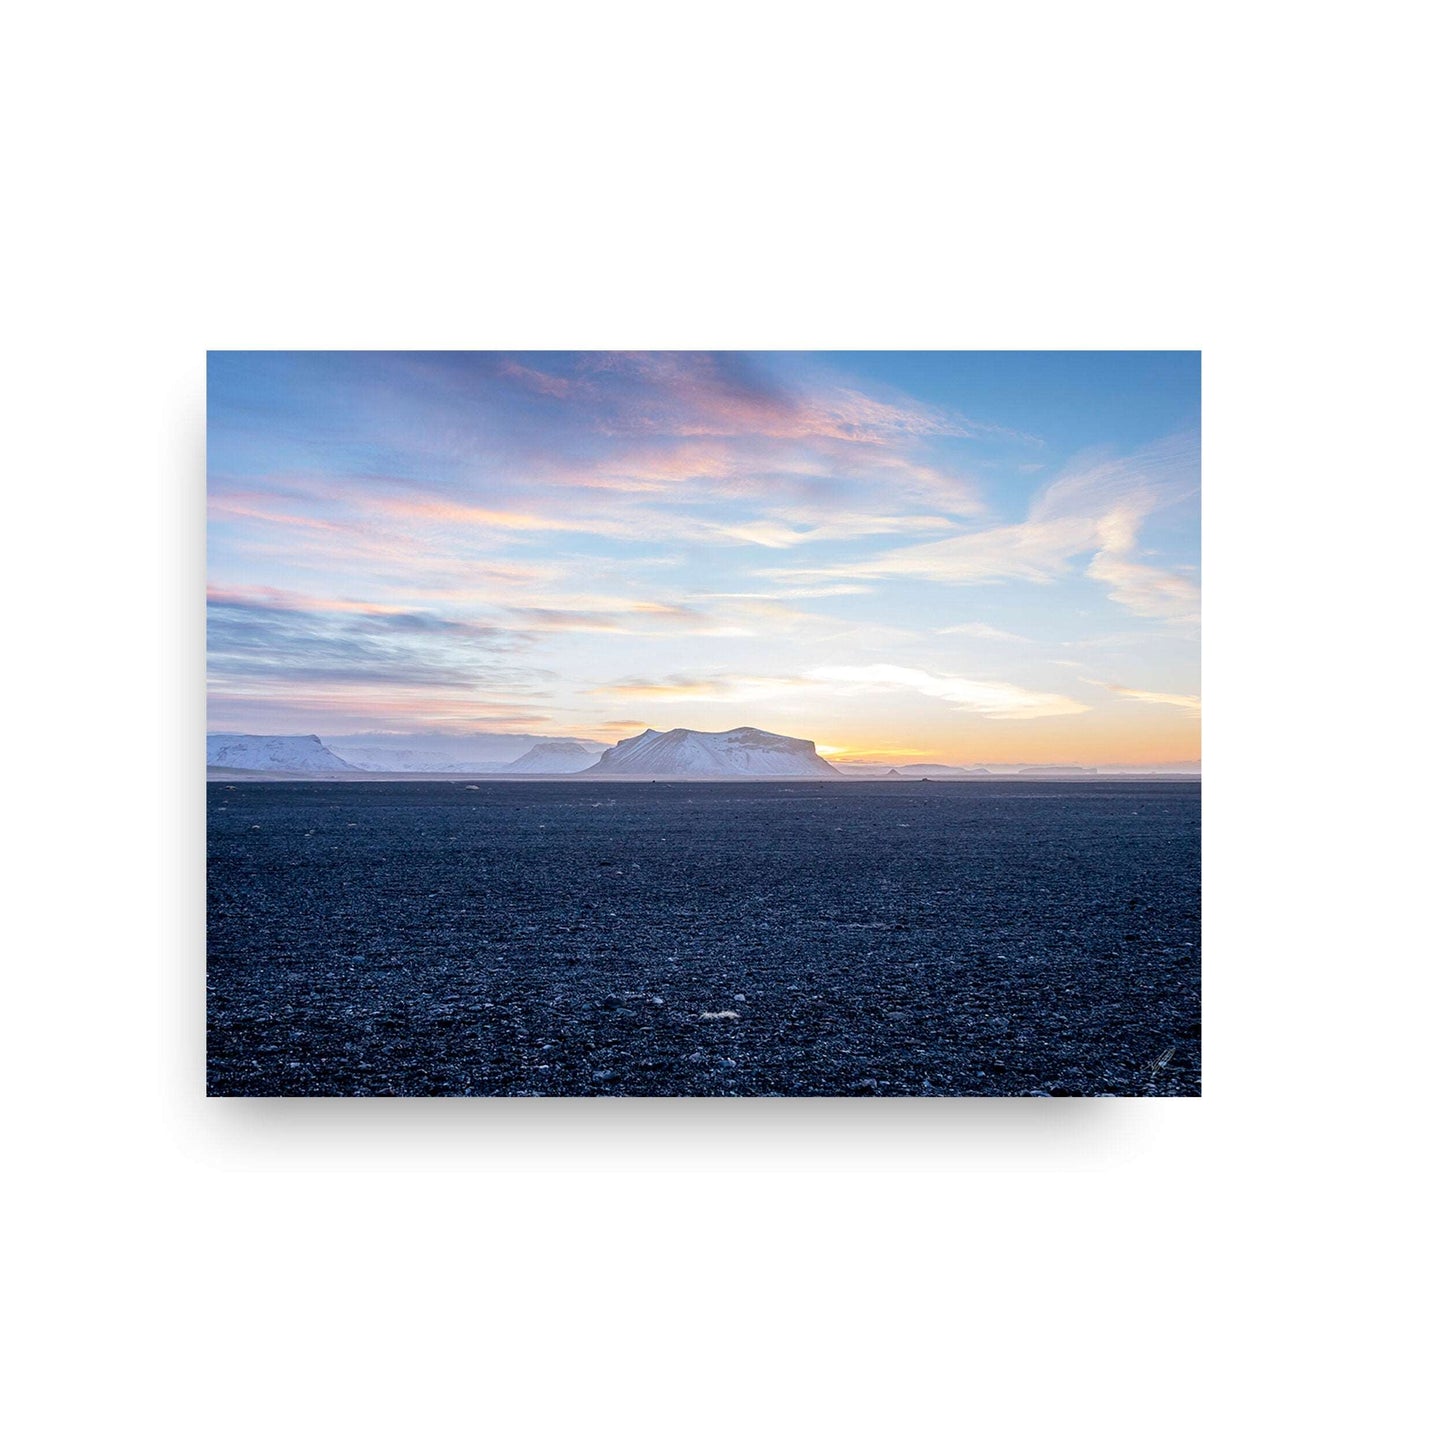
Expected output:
(1095, 508)
(691, 394)
(1189, 702)
(1145, 590)
(543, 382)
(280, 648)
(375, 617)
(730, 687)
(779, 528)
(681, 686)
(781, 594)
(988, 698)
(238, 708)
(620, 616)
(981, 630)
(772, 527)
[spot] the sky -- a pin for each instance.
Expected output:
(954, 557)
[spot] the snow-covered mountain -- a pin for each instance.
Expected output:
(562, 756)
(401, 760)
(741, 753)
(479, 752)
(273, 754)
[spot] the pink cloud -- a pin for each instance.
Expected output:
(539, 381)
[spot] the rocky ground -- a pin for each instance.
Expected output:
(753, 938)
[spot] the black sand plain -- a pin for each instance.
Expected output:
(778, 938)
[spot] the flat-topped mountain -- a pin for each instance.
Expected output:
(276, 754)
(740, 753)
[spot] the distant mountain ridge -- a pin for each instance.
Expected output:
(399, 760)
(679, 753)
(739, 753)
(910, 770)
(423, 752)
(273, 754)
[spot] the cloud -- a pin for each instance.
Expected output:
(1002, 700)
(1096, 507)
(558, 619)
(824, 487)
(1144, 590)
(778, 527)
(990, 699)
(328, 614)
(509, 717)
(667, 611)
(619, 616)
(669, 687)
(762, 532)
(784, 594)
(458, 458)
(279, 645)
(539, 381)
(784, 528)
(332, 710)
(277, 599)
(701, 394)
(717, 687)
(487, 519)
(981, 630)
(1189, 702)
(773, 527)
(224, 505)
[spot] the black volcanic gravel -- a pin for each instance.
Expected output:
(573, 938)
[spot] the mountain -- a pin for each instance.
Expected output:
(476, 752)
(912, 771)
(561, 756)
(741, 753)
(400, 760)
(938, 770)
(273, 754)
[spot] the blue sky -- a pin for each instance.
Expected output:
(956, 557)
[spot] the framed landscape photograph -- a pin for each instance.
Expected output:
(703, 724)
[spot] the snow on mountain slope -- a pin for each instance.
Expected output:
(740, 753)
(562, 756)
(401, 760)
(273, 754)
(421, 752)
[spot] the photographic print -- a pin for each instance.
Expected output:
(703, 724)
